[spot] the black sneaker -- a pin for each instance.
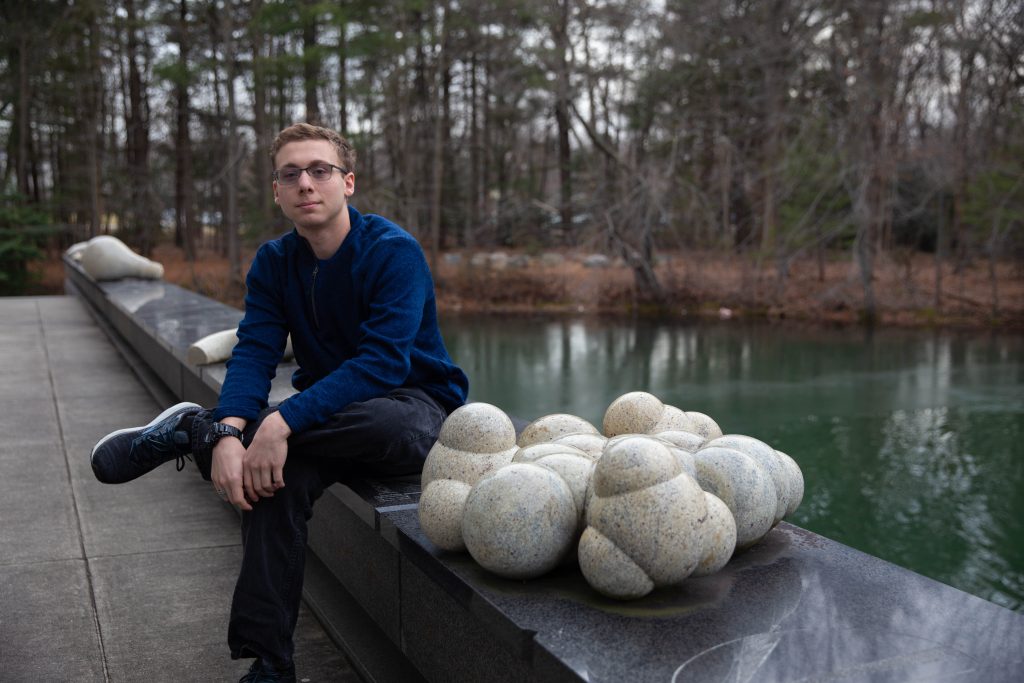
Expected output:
(129, 453)
(264, 672)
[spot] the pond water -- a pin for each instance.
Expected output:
(911, 442)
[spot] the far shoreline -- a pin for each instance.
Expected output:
(698, 287)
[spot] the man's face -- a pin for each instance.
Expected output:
(312, 204)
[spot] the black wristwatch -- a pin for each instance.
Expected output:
(219, 430)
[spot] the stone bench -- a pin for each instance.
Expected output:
(794, 606)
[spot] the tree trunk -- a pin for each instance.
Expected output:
(93, 136)
(560, 35)
(231, 175)
(343, 77)
(21, 160)
(137, 125)
(184, 214)
(940, 246)
(310, 62)
(992, 279)
(474, 196)
(265, 197)
(420, 176)
(437, 156)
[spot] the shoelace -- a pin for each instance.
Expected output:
(161, 440)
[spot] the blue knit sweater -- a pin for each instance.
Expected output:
(362, 322)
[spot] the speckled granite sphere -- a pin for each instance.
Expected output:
(704, 425)
(765, 456)
(591, 444)
(641, 413)
(550, 427)
(796, 482)
(718, 534)
(633, 413)
(684, 457)
(688, 441)
(609, 570)
(743, 485)
(519, 521)
(441, 511)
(643, 521)
(539, 450)
(577, 471)
(475, 440)
(672, 419)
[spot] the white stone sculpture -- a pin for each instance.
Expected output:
(718, 536)
(683, 455)
(74, 252)
(217, 347)
(591, 444)
(685, 459)
(765, 456)
(520, 521)
(107, 258)
(643, 521)
(684, 445)
(688, 441)
(745, 488)
(796, 482)
(475, 440)
(574, 466)
(550, 427)
(639, 412)
(540, 450)
(704, 425)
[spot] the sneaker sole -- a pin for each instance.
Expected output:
(159, 418)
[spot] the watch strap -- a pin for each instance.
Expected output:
(219, 430)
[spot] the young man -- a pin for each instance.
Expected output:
(374, 385)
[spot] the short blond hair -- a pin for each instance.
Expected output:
(305, 131)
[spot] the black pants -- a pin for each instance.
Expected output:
(382, 437)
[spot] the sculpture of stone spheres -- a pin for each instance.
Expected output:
(475, 440)
(105, 257)
(660, 496)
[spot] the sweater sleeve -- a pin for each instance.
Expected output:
(261, 341)
(397, 282)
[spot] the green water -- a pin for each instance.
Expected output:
(911, 442)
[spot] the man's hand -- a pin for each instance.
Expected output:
(263, 464)
(226, 468)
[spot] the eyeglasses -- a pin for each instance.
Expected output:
(321, 173)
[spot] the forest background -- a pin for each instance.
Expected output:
(827, 159)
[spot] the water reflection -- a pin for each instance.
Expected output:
(910, 442)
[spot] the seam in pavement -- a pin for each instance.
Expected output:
(74, 498)
(116, 555)
(167, 550)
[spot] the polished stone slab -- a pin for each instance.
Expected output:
(796, 606)
(160, 320)
(176, 316)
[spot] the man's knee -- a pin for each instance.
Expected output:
(403, 414)
(303, 485)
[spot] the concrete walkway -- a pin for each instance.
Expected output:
(97, 582)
